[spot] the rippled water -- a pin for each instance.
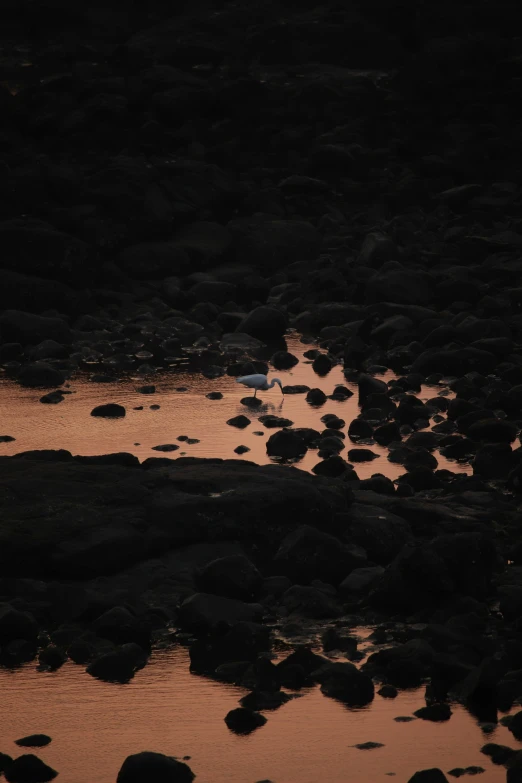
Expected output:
(95, 725)
(69, 425)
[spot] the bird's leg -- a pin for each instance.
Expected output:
(255, 392)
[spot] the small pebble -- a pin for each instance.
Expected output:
(154, 407)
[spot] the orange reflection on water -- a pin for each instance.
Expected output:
(95, 725)
(70, 426)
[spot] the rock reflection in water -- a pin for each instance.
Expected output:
(95, 725)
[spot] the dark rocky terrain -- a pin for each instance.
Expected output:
(210, 174)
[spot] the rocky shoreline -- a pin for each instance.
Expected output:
(202, 181)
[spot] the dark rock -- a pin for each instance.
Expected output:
(154, 767)
(51, 657)
(27, 328)
(515, 725)
(29, 769)
(361, 455)
(243, 721)
(360, 580)
(322, 364)
(264, 700)
(239, 421)
(298, 389)
(5, 762)
(344, 682)
(286, 444)
(270, 421)
(369, 745)
(40, 374)
(493, 431)
(264, 323)
(203, 612)
(388, 692)
(433, 775)
(283, 360)
(307, 554)
(316, 397)
(387, 433)
(360, 430)
(116, 666)
(34, 741)
(53, 398)
(499, 754)
(241, 449)
(369, 385)
(234, 576)
(166, 447)
(332, 467)
(434, 712)
(332, 421)
(146, 389)
(110, 410)
(333, 640)
(214, 396)
(16, 625)
(311, 602)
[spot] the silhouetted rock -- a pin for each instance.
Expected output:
(154, 766)
(29, 769)
(244, 721)
(111, 410)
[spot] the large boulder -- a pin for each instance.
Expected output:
(29, 769)
(203, 612)
(16, 625)
(154, 767)
(233, 576)
(346, 683)
(286, 444)
(381, 533)
(29, 329)
(308, 553)
(265, 323)
(426, 574)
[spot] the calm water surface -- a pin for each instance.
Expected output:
(95, 725)
(70, 426)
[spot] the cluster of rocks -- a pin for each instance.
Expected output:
(193, 182)
(217, 555)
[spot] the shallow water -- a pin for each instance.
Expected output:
(95, 725)
(69, 425)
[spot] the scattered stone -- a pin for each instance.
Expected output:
(166, 447)
(53, 398)
(434, 712)
(286, 444)
(215, 395)
(316, 397)
(34, 741)
(271, 421)
(6, 438)
(369, 745)
(110, 411)
(146, 389)
(244, 721)
(361, 455)
(237, 421)
(154, 767)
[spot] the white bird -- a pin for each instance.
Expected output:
(259, 381)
